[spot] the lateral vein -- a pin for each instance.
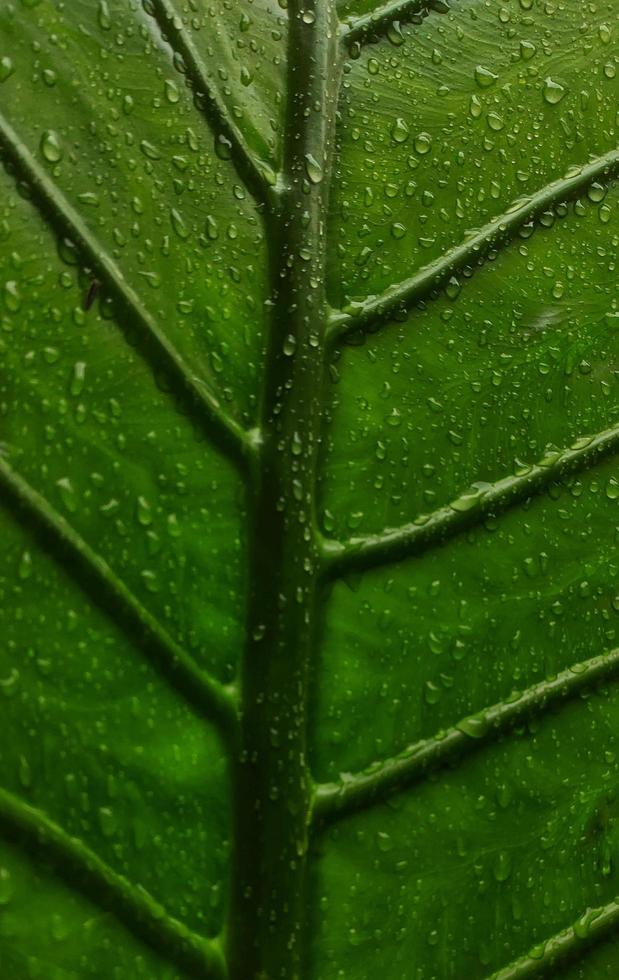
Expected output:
(362, 29)
(379, 782)
(468, 510)
(84, 871)
(203, 693)
(256, 175)
(374, 310)
(593, 927)
(157, 348)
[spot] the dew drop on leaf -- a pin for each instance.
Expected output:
(400, 130)
(6, 886)
(553, 91)
(6, 67)
(313, 169)
(484, 77)
(51, 147)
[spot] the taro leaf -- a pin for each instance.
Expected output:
(309, 416)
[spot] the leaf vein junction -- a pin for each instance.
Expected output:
(468, 511)
(84, 871)
(373, 310)
(204, 694)
(158, 350)
(256, 176)
(379, 782)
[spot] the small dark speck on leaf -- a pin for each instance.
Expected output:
(92, 293)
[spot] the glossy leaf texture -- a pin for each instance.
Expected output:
(309, 421)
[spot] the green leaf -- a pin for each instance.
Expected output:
(308, 425)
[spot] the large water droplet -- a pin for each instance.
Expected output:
(313, 169)
(400, 131)
(484, 77)
(51, 147)
(553, 91)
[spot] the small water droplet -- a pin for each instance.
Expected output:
(12, 298)
(144, 513)
(6, 68)
(24, 570)
(6, 886)
(107, 821)
(67, 494)
(77, 378)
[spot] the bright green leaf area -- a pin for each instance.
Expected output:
(455, 487)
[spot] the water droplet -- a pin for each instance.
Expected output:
(423, 143)
(475, 107)
(144, 513)
(596, 192)
(484, 77)
(107, 821)
(432, 693)
(149, 150)
(104, 16)
(24, 569)
(527, 50)
(400, 131)
(67, 494)
(475, 726)
(612, 489)
(502, 867)
(77, 378)
(553, 91)
(173, 526)
(172, 93)
(12, 298)
(394, 33)
(24, 772)
(150, 580)
(6, 886)
(223, 147)
(178, 224)
(51, 147)
(495, 122)
(212, 230)
(313, 169)
(6, 68)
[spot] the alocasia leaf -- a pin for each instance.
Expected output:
(309, 420)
